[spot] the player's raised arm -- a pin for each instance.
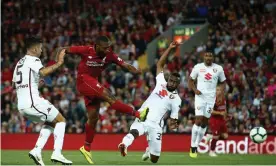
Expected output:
(48, 70)
(124, 64)
(161, 62)
(175, 107)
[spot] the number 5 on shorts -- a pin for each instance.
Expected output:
(158, 136)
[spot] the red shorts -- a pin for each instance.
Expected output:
(91, 89)
(217, 125)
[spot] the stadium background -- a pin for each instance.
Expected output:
(241, 34)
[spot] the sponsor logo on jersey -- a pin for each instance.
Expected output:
(22, 86)
(208, 76)
(93, 63)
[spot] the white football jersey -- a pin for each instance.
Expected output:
(207, 79)
(26, 80)
(161, 101)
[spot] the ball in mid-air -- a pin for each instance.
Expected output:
(258, 135)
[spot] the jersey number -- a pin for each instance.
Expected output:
(19, 73)
(158, 136)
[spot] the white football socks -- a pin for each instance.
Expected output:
(195, 132)
(45, 133)
(128, 139)
(59, 137)
(200, 135)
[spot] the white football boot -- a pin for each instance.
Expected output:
(59, 158)
(146, 155)
(212, 154)
(36, 156)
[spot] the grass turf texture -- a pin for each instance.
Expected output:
(16, 157)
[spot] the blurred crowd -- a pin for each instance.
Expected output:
(242, 36)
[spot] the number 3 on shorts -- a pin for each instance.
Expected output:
(158, 136)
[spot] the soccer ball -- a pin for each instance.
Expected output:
(258, 135)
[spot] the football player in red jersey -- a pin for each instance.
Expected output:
(94, 59)
(217, 122)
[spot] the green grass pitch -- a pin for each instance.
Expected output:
(16, 157)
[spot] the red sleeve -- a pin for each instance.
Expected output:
(117, 59)
(80, 49)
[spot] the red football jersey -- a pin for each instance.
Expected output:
(220, 105)
(90, 63)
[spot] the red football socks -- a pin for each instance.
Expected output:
(213, 144)
(124, 108)
(89, 136)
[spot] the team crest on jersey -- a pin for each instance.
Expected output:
(198, 107)
(89, 57)
(172, 96)
(215, 70)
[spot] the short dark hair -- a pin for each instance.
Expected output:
(176, 74)
(102, 39)
(31, 41)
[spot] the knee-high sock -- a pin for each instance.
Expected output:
(59, 137)
(124, 108)
(195, 132)
(89, 136)
(200, 135)
(44, 135)
(128, 139)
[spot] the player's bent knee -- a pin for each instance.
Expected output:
(134, 132)
(60, 118)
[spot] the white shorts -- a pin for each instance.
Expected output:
(44, 111)
(203, 107)
(154, 135)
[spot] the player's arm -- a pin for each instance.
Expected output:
(117, 60)
(191, 80)
(176, 105)
(222, 80)
(48, 70)
(79, 50)
(161, 62)
(130, 68)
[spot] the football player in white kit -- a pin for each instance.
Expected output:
(32, 106)
(163, 98)
(207, 75)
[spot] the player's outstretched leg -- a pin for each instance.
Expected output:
(93, 117)
(35, 153)
(59, 137)
(123, 108)
(127, 141)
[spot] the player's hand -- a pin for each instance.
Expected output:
(173, 124)
(197, 92)
(61, 56)
(138, 71)
(174, 44)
